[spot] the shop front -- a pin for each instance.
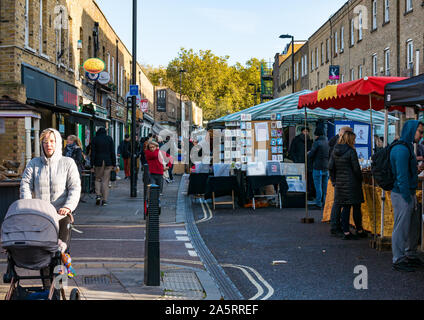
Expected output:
(54, 99)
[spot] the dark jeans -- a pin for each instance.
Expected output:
(336, 214)
(357, 217)
(64, 230)
(170, 172)
(157, 179)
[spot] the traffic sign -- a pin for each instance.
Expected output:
(134, 90)
(144, 105)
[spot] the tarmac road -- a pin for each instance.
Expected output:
(314, 265)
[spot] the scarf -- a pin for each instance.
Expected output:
(69, 149)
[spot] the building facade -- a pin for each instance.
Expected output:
(363, 38)
(43, 46)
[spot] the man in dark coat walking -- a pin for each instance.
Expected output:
(297, 147)
(319, 155)
(103, 160)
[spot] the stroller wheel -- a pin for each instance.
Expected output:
(75, 294)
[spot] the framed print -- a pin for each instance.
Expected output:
(273, 142)
(273, 116)
(279, 124)
(280, 149)
(273, 125)
(361, 132)
(280, 141)
(243, 125)
(279, 117)
(249, 125)
(362, 153)
(274, 157)
(280, 157)
(274, 149)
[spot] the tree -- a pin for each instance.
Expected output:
(209, 81)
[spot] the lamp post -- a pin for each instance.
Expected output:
(287, 36)
(133, 104)
(181, 71)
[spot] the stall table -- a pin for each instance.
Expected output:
(256, 182)
(197, 183)
(369, 222)
(220, 186)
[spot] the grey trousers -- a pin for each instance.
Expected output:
(406, 228)
(102, 181)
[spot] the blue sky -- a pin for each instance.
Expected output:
(239, 29)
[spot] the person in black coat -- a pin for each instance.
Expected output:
(297, 147)
(336, 210)
(318, 156)
(346, 177)
(103, 160)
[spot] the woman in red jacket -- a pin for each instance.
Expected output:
(156, 160)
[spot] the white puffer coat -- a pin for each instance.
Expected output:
(55, 179)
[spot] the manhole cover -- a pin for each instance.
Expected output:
(98, 279)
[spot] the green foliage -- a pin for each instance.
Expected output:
(218, 88)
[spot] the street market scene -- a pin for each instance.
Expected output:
(136, 169)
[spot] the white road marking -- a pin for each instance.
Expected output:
(254, 282)
(183, 239)
(205, 213)
(180, 232)
(188, 245)
(192, 253)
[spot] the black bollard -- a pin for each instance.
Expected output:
(151, 244)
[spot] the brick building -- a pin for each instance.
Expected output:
(364, 38)
(43, 45)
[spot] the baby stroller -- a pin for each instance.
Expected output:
(29, 234)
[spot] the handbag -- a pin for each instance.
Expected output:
(113, 175)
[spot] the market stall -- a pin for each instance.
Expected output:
(260, 134)
(363, 94)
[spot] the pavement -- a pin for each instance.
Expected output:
(108, 255)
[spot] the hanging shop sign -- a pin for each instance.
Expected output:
(334, 73)
(94, 65)
(144, 105)
(92, 76)
(161, 100)
(104, 77)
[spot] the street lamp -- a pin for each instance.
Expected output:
(181, 71)
(133, 165)
(287, 36)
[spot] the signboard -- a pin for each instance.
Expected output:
(104, 77)
(334, 73)
(161, 100)
(92, 76)
(144, 105)
(66, 96)
(39, 86)
(94, 65)
(134, 90)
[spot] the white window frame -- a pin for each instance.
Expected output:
(108, 62)
(342, 78)
(336, 47)
(360, 72)
(352, 32)
(342, 39)
(316, 58)
(312, 61)
(327, 50)
(374, 65)
(306, 64)
(122, 80)
(352, 74)
(40, 35)
(113, 70)
(387, 62)
(409, 53)
(27, 24)
(408, 5)
(360, 27)
(386, 11)
(322, 53)
(374, 14)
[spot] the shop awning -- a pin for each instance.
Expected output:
(352, 95)
(408, 92)
(287, 106)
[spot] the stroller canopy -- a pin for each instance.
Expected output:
(30, 232)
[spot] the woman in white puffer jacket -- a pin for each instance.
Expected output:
(53, 178)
